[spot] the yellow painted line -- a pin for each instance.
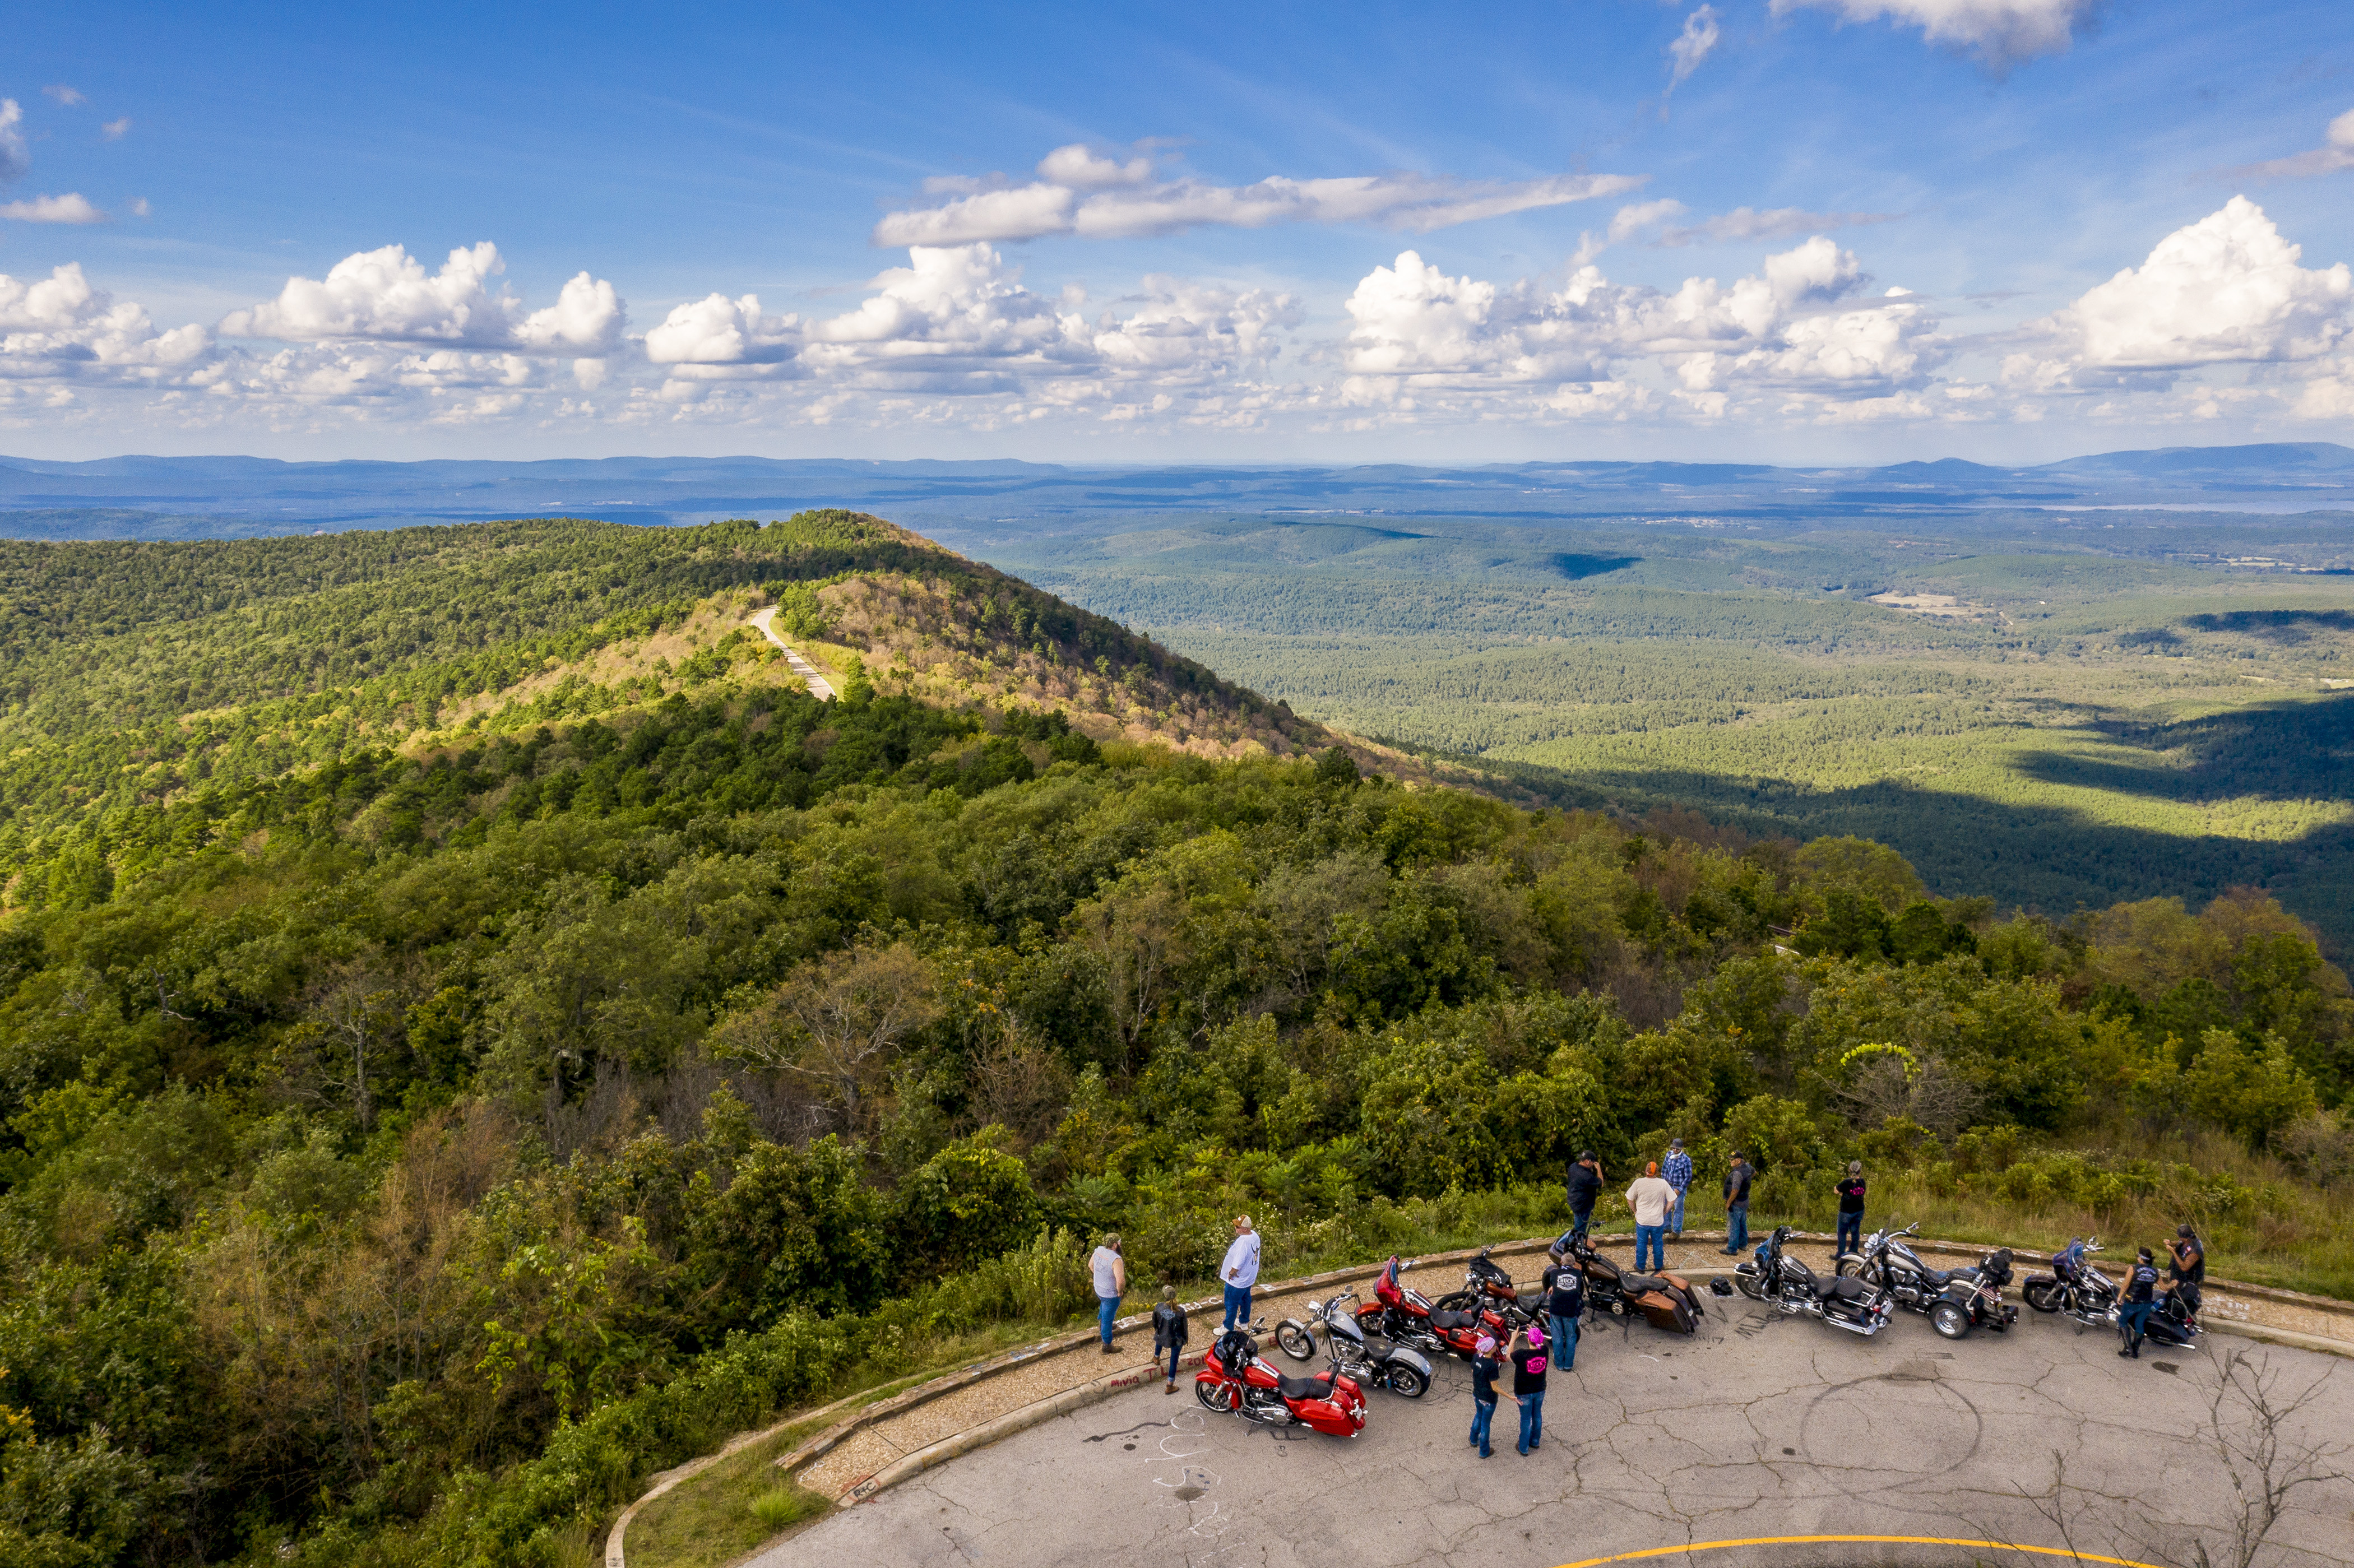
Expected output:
(1858, 1540)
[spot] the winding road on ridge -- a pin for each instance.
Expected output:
(818, 686)
(1758, 1428)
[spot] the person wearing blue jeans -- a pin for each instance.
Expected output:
(1169, 1333)
(1850, 1210)
(1528, 1387)
(1111, 1283)
(1484, 1367)
(1240, 1271)
(1676, 1169)
(1736, 1205)
(1565, 1304)
(1649, 1199)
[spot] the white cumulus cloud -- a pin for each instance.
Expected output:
(1794, 330)
(116, 130)
(1999, 32)
(72, 208)
(60, 326)
(386, 295)
(1085, 192)
(717, 330)
(2226, 290)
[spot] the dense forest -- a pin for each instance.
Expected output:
(2051, 712)
(451, 1070)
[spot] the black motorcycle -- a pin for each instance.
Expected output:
(1775, 1277)
(2077, 1291)
(1398, 1368)
(2172, 1324)
(1955, 1300)
(1612, 1291)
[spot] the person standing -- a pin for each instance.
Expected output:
(1240, 1271)
(1736, 1205)
(1676, 1170)
(1565, 1304)
(1850, 1210)
(1585, 1186)
(1484, 1367)
(1528, 1385)
(1111, 1284)
(1651, 1198)
(2189, 1269)
(1169, 1332)
(2140, 1302)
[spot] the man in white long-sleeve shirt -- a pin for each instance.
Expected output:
(1240, 1271)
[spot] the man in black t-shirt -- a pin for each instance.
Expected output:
(1850, 1209)
(1736, 1205)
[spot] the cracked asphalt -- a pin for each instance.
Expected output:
(1759, 1425)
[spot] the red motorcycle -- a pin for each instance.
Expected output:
(1404, 1316)
(1233, 1381)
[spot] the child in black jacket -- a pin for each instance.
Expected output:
(1169, 1332)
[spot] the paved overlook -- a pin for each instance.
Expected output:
(1759, 1427)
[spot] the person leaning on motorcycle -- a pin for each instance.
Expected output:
(2141, 1300)
(2188, 1267)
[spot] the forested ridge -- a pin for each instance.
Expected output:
(430, 1107)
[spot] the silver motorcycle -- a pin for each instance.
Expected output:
(1398, 1368)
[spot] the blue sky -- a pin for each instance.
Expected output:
(1553, 246)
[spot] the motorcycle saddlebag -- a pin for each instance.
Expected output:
(1663, 1309)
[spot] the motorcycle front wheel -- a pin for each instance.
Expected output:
(1949, 1319)
(1295, 1339)
(2043, 1295)
(1217, 1396)
(1749, 1285)
(1458, 1301)
(1405, 1382)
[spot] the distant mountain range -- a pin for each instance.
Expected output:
(212, 497)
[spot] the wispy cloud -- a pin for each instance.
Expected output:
(2335, 154)
(1089, 194)
(1694, 43)
(116, 130)
(1772, 223)
(2002, 32)
(16, 158)
(63, 94)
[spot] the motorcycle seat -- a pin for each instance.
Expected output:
(1454, 1320)
(1637, 1283)
(1318, 1387)
(1839, 1287)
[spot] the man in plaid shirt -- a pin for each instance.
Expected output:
(1677, 1172)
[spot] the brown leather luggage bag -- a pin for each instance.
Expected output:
(1664, 1310)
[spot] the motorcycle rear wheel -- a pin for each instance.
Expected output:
(1295, 1341)
(1405, 1382)
(1949, 1321)
(1221, 1397)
